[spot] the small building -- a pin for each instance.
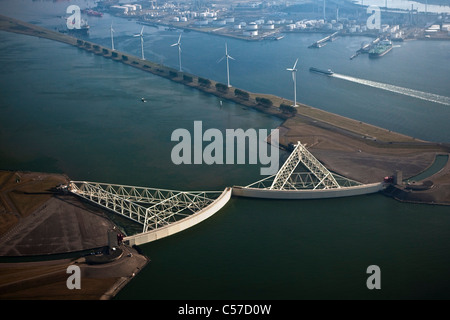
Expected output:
(119, 9)
(250, 33)
(131, 7)
(220, 22)
(203, 22)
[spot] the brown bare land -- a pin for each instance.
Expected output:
(38, 221)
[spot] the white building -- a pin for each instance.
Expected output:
(131, 7)
(203, 22)
(119, 9)
(250, 33)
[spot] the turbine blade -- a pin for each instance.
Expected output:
(142, 31)
(231, 58)
(295, 63)
(220, 60)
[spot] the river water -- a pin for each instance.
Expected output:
(65, 110)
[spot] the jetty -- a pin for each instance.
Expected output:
(322, 42)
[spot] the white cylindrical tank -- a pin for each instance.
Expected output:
(252, 26)
(268, 27)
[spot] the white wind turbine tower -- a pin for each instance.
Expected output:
(179, 50)
(112, 37)
(294, 76)
(142, 41)
(228, 64)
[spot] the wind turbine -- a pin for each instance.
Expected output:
(228, 66)
(112, 37)
(142, 41)
(179, 50)
(294, 76)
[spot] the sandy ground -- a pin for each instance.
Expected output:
(38, 222)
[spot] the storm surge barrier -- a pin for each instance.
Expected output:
(161, 212)
(302, 176)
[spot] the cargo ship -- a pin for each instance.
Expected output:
(380, 49)
(326, 72)
(83, 30)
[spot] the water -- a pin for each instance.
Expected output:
(261, 67)
(439, 163)
(65, 110)
(404, 91)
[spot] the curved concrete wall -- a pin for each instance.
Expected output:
(181, 225)
(308, 193)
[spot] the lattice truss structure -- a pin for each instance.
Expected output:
(152, 208)
(317, 175)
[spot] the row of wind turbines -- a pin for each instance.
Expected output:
(293, 70)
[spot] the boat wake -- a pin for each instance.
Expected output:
(400, 90)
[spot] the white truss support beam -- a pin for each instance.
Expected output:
(301, 155)
(153, 208)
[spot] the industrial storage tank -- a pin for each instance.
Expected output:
(252, 26)
(268, 27)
